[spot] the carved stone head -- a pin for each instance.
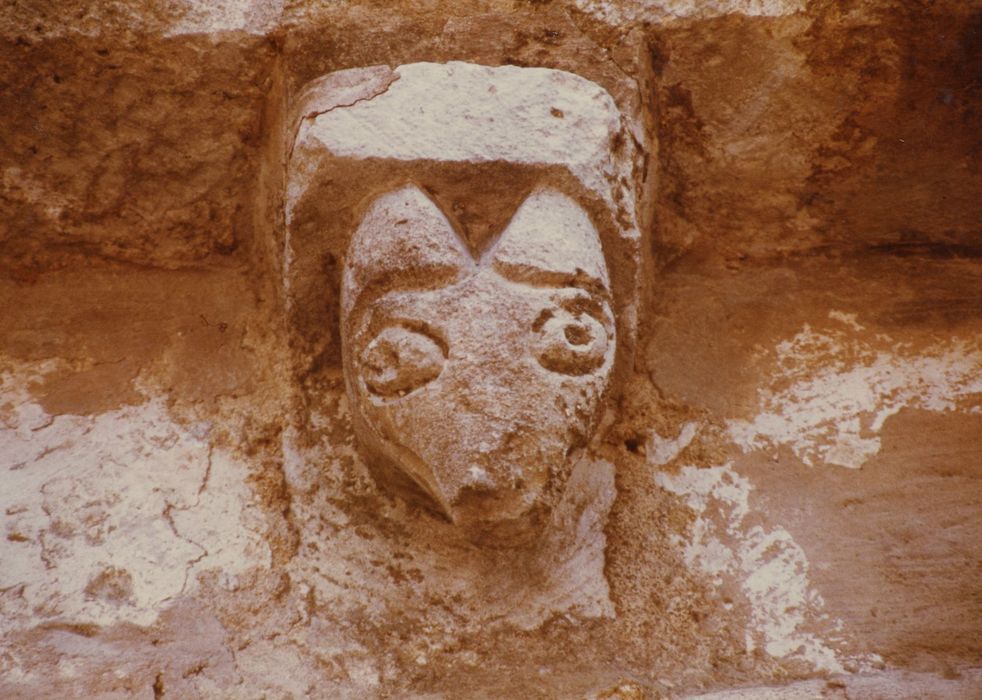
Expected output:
(463, 239)
(476, 378)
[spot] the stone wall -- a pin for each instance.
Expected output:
(782, 482)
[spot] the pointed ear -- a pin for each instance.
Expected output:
(403, 241)
(551, 241)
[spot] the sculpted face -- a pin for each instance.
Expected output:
(476, 378)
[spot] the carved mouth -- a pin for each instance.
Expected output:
(477, 498)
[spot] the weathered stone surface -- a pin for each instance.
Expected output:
(110, 517)
(621, 12)
(783, 483)
(141, 151)
(893, 685)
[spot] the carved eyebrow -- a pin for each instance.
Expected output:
(386, 281)
(403, 242)
(535, 276)
(551, 242)
(421, 277)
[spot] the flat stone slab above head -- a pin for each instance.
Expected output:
(461, 112)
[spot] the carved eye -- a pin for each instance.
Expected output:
(400, 360)
(571, 342)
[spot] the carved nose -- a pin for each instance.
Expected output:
(479, 501)
(479, 479)
(499, 475)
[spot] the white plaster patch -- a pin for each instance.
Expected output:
(848, 319)
(769, 565)
(663, 450)
(832, 390)
(107, 517)
(251, 16)
(622, 12)
(901, 684)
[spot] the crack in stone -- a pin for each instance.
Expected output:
(205, 552)
(191, 562)
(316, 113)
(313, 114)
